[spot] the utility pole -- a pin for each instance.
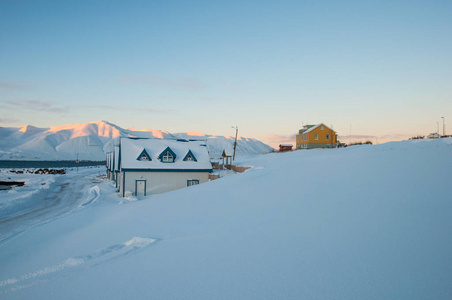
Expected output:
(235, 142)
(437, 128)
(443, 127)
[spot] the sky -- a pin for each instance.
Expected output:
(379, 70)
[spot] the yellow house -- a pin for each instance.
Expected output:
(316, 136)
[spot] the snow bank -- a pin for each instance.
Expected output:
(34, 184)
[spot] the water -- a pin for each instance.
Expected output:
(12, 164)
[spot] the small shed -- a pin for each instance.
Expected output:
(285, 147)
(226, 159)
(433, 135)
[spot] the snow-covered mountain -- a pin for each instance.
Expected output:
(90, 141)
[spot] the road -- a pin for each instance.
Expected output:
(67, 193)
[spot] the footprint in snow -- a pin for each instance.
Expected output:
(93, 259)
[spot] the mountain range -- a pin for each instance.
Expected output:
(90, 141)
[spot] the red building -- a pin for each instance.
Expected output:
(285, 147)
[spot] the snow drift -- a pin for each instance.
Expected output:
(364, 222)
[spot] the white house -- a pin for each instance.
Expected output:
(433, 135)
(109, 165)
(154, 166)
(113, 165)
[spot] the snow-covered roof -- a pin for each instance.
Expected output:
(132, 149)
(286, 145)
(316, 126)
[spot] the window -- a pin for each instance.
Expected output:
(144, 156)
(192, 182)
(305, 137)
(190, 156)
(327, 137)
(321, 127)
(167, 157)
(316, 136)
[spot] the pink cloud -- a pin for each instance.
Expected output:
(275, 140)
(37, 105)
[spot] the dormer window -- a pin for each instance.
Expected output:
(167, 156)
(144, 156)
(190, 157)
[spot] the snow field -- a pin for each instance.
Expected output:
(364, 222)
(96, 258)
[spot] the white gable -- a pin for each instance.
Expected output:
(131, 149)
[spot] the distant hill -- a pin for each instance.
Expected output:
(90, 141)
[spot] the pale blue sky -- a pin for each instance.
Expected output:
(383, 67)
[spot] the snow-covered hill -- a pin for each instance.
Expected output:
(90, 141)
(363, 222)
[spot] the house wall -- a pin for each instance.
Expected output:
(317, 145)
(119, 182)
(322, 142)
(285, 148)
(160, 182)
(117, 178)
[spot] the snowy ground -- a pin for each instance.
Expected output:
(44, 198)
(364, 222)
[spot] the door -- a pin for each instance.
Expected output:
(140, 188)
